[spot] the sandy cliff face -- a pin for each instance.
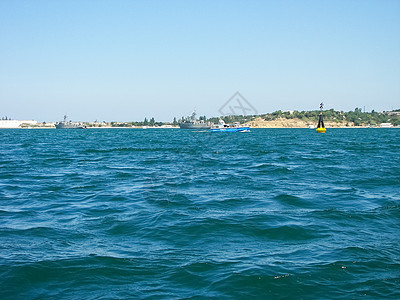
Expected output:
(291, 123)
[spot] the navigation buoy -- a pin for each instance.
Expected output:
(321, 127)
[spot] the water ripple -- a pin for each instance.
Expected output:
(177, 214)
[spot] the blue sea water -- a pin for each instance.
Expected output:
(182, 214)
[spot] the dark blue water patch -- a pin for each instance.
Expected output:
(289, 200)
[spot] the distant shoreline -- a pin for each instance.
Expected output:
(277, 119)
(163, 128)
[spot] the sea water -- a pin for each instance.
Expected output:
(175, 214)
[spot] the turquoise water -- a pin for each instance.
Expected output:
(175, 214)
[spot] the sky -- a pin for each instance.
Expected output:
(124, 60)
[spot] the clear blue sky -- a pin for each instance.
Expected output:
(126, 60)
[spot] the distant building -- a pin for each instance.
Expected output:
(15, 123)
(289, 111)
(386, 125)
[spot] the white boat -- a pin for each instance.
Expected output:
(235, 127)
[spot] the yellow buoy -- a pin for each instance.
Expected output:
(321, 130)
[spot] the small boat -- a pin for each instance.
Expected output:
(235, 127)
(386, 125)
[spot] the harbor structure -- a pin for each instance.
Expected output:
(16, 123)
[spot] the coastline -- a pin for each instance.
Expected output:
(297, 123)
(255, 123)
(251, 127)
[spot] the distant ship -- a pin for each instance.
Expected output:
(235, 127)
(69, 125)
(193, 123)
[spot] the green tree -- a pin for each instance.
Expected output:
(277, 113)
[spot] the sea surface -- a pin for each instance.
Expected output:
(185, 214)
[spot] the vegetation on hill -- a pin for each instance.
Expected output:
(351, 118)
